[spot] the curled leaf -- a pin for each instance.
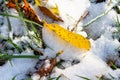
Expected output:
(76, 40)
(26, 9)
(49, 13)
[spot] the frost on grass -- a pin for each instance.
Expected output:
(99, 26)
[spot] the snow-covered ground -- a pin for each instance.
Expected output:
(92, 64)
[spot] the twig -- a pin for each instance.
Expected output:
(81, 18)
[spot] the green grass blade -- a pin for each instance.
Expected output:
(28, 79)
(113, 65)
(36, 34)
(8, 57)
(15, 45)
(14, 77)
(26, 20)
(98, 17)
(58, 77)
(7, 17)
(11, 42)
(83, 77)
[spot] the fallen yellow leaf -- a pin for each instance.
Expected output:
(74, 39)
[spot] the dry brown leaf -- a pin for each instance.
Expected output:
(27, 11)
(49, 13)
(43, 71)
(11, 4)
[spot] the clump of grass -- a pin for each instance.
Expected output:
(35, 37)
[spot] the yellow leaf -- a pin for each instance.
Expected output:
(55, 9)
(76, 40)
(37, 2)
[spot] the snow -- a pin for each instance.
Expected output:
(19, 67)
(47, 64)
(35, 76)
(95, 30)
(92, 63)
(90, 67)
(106, 46)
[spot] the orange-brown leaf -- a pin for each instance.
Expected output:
(12, 4)
(27, 11)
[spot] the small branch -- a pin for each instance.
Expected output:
(81, 18)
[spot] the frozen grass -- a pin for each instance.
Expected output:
(98, 17)
(87, 60)
(10, 40)
(8, 57)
